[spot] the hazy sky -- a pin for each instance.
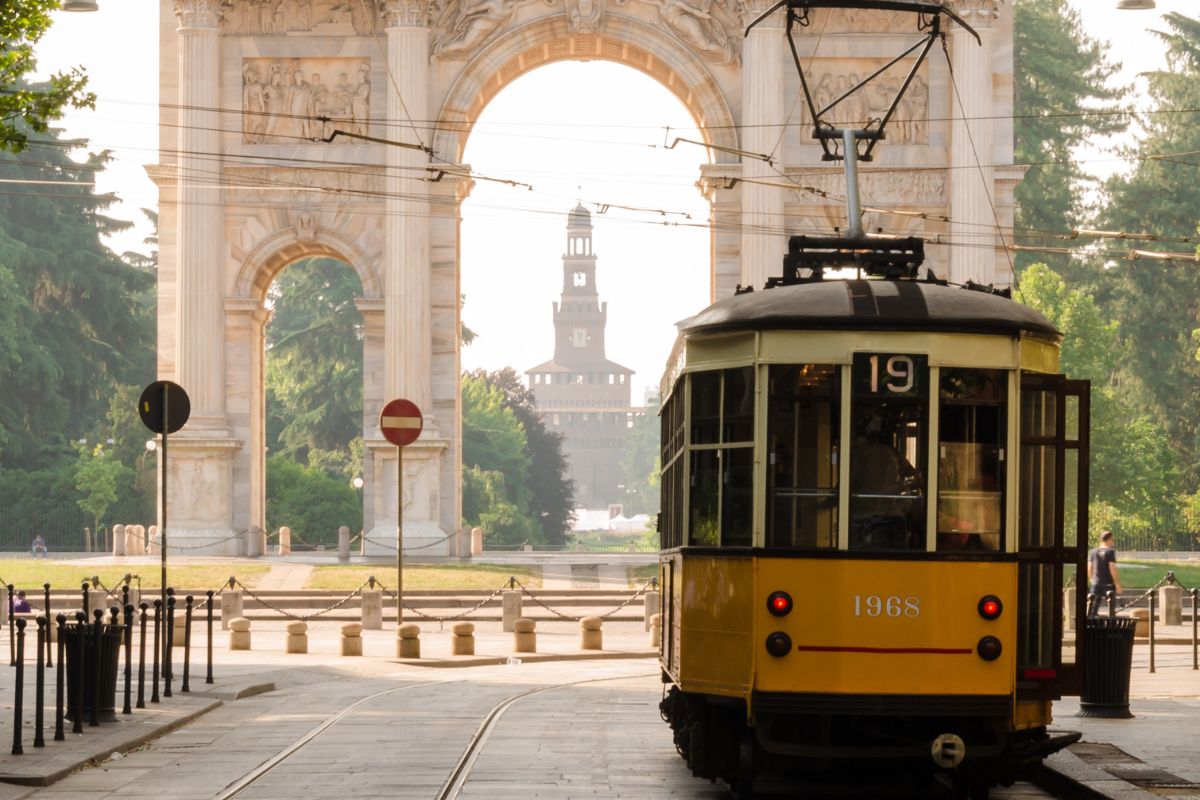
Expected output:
(575, 131)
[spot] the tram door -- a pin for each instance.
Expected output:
(1052, 526)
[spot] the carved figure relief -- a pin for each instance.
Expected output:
(707, 26)
(906, 188)
(584, 16)
(464, 25)
(910, 123)
(282, 17)
(284, 99)
(858, 20)
(295, 185)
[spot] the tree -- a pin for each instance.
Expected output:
(1062, 99)
(1159, 303)
(314, 359)
(309, 501)
(97, 478)
(551, 492)
(640, 463)
(25, 108)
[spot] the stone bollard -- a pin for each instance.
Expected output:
(1170, 605)
(656, 631)
(140, 540)
(135, 597)
(408, 641)
(510, 604)
(118, 540)
(231, 606)
(285, 541)
(297, 637)
(131, 541)
(476, 541)
(1141, 628)
(590, 637)
(1069, 608)
(98, 598)
(653, 605)
(352, 639)
(524, 636)
(152, 540)
(372, 609)
(239, 634)
(462, 643)
(344, 543)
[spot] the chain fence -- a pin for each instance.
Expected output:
(301, 617)
(442, 620)
(408, 548)
(527, 593)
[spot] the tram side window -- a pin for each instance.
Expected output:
(802, 455)
(671, 483)
(971, 458)
(720, 483)
(889, 414)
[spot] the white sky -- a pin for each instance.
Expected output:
(591, 125)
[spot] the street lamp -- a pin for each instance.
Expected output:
(80, 5)
(1135, 5)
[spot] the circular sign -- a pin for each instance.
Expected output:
(400, 422)
(165, 396)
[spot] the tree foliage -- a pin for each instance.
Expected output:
(25, 108)
(1159, 303)
(311, 502)
(1062, 74)
(98, 477)
(640, 463)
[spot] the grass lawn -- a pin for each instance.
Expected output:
(639, 575)
(30, 573)
(1144, 574)
(425, 576)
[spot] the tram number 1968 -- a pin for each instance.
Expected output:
(874, 605)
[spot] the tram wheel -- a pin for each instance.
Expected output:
(744, 788)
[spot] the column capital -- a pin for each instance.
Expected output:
(200, 13)
(751, 10)
(979, 14)
(407, 13)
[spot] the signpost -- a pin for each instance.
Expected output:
(164, 408)
(400, 422)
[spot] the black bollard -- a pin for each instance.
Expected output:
(60, 688)
(208, 677)
(187, 643)
(39, 719)
(19, 690)
(49, 638)
(115, 613)
(154, 671)
(12, 618)
(80, 670)
(125, 709)
(1195, 641)
(86, 598)
(125, 593)
(1152, 632)
(1112, 602)
(97, 658)
(141, 700)
(168, 655)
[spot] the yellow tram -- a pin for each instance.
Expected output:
(873, 492)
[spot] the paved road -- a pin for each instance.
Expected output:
(599, 739)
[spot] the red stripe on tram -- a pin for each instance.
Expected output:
(937, 651)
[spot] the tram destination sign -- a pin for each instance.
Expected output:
(890, 375)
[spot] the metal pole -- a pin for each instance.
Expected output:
(1152, 631)
(98, 632)
(39, 714)
(128, 655)
(80, 670)
(60, 687)
(17, 749)
(158, 606)
(162, 533)
(12, 636)
(46, 613)
(854, 228)
(187, 644)
(1195, 641)
(208, 678)
(1112, 602)
(169, 634)
(400, 536)
(141, 698)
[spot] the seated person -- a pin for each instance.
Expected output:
(38, 548)
(21, 606)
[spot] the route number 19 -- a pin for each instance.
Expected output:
(899, 374)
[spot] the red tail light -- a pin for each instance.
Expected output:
(1039, 674)
(990, 607)
(779, 603)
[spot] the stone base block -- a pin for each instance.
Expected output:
(590, 635)
(239, 640)
(524, 636)
(656, 630)
(297, 643)
(408, 648)
(352, 641)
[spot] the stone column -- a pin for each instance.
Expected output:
(763, 58)
(199, 319)
(408, 339)
(972, 187)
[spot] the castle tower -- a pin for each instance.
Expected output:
(580, 393)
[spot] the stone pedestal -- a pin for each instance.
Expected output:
(372, 609)
(98, 598)
(408, 641)
(343, 544)
(118, 541)
(239, 634)
(653, 606)
(590, 635)
(463, 641)
(285, 541)
(476, 541)
(510, 602)
(297, 637)
(1170, 605)
(256, 542)
(656, 631)
(352, 639)
(525, 636)
(231, 606)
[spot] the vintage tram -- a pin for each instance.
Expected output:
(873, 495)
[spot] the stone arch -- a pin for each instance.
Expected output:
(624, 40)
(275, 252)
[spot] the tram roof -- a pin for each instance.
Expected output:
(897, 305)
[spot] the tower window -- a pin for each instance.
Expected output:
(579, 337)
(581, 278)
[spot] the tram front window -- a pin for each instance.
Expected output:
(802, 456)
(888, 422)
(971, 459)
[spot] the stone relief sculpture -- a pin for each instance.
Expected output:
(907, 188)
(910, 123)
(466, 24)
(858, 20)
(282, 17)
(705, 25)
(283, 100)
(584, 16)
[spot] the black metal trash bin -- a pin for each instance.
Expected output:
(99, 680)
(1108, 650)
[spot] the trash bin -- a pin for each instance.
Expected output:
(99, 682)
(1108, 654)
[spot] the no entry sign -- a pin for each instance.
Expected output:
(400, 422)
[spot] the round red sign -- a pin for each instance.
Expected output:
(400, 422)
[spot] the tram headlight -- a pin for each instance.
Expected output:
(779, 603)
(990, 607)
(779, 644)
(989, 648)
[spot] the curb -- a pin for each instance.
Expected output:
(522, 658)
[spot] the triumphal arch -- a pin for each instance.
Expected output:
(294, 128)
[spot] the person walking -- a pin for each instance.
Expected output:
(1102, 572)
